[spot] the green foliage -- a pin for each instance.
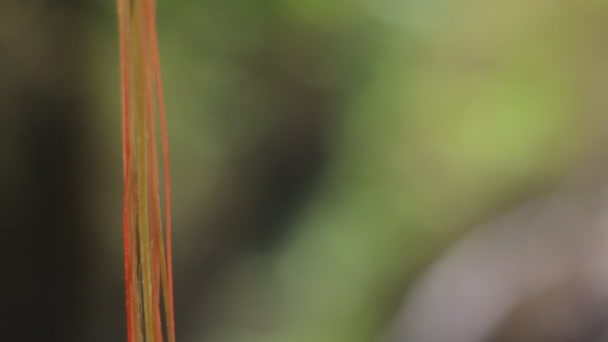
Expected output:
(443, 113)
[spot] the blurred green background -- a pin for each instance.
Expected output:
(324, 153)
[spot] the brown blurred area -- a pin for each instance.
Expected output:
(536, 273)
(44, 158)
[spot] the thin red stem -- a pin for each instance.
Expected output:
(153, 36)
(126, 114)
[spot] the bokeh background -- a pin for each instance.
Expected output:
(343, 171)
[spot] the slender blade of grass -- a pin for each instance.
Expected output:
(147, 251)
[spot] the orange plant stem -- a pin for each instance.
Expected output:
(168, 254)
(147, 252)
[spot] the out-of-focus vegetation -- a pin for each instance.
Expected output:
(324, 153)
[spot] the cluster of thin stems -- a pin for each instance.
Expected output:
(147, 240)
